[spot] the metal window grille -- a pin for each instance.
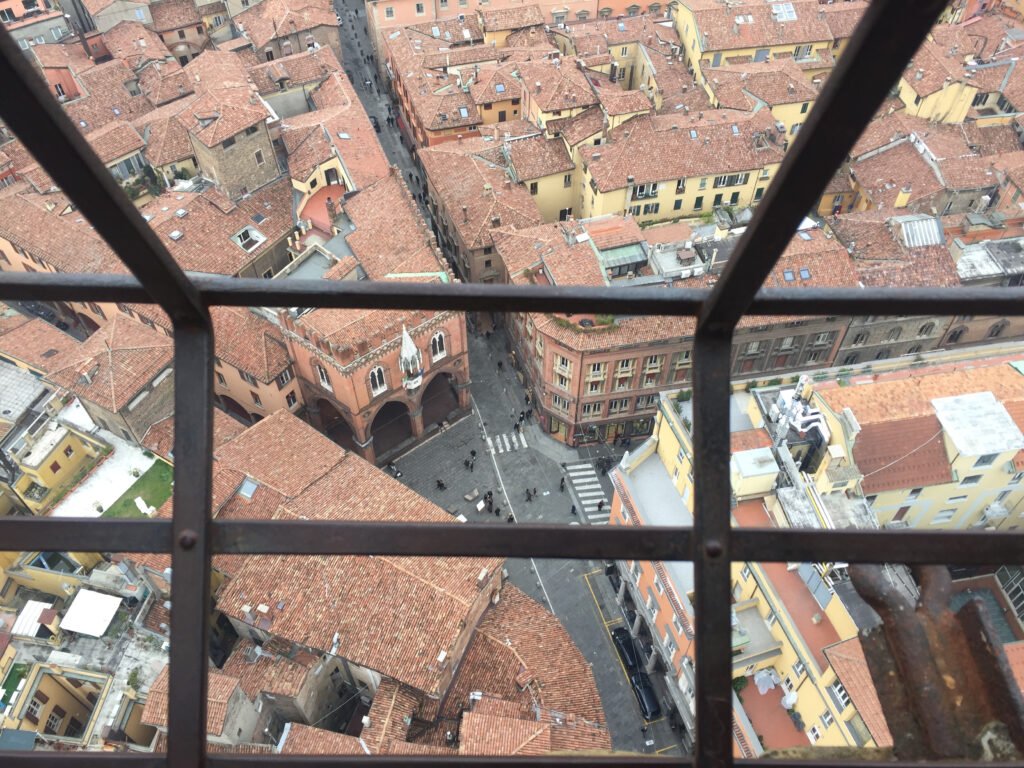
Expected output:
(889, 33)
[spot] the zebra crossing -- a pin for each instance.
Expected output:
(506, 443)
(587, 486)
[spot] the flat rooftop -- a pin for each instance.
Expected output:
(18, 390)
(978, 424)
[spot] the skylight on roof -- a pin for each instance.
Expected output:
(788, 276)
(693, 133)
(783, 11)
(259, 218)
(805, 273)
(248, 488)
(500, 87)
(622, 26)
(735, 130)
(463, 112)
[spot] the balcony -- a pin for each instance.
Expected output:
(752, 640)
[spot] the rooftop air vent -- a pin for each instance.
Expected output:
(176, 235)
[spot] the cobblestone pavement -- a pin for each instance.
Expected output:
(508, 463)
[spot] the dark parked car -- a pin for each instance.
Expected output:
(624, 645)
(645, 695)
(375, 122)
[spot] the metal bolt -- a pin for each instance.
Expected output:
(713, 548)
(188, 539)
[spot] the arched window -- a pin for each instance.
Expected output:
(654, 8)
(883, 355)
(605, 12)
(437, 350)
(582, 15)
(955, 335)
(914, 349)
(926, 330)
(997, 330)
(633, 10)
(851, 359)
(325, 380)
(377, 383)
(894, 334)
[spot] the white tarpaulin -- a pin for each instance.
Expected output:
(765, 680)
(90, 613)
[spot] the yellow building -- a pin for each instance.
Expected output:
(42, 456)
(786, 620)
(660, 168)
(778, 86)
(938, 451)
(60, 703)
(546, 169)
(804, 30)
(934, 86)
(55, 573)
(552, 90)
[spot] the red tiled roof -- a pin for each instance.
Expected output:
(264, 671)
(307, 740)
(115, 140)
(34, 342)
(851, 667)
(273, 19)
(220, 687)
(169, 15)
(536, 157)
(159, 438)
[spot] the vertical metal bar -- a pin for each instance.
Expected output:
(711, 550)
(190, 575)
(887, 36)
(30, 110)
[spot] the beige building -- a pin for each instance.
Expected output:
(277, 28)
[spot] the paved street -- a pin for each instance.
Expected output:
(508, 463)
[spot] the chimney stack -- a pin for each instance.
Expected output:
(465, 214)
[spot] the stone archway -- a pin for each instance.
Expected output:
(391, 427)
(439, 399)
(335, 426)
(236, 409)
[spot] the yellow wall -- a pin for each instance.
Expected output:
(491, 116)
(51, 582)
(319, 175)
(188, 165)
(497, 37)
(552, 194)
(949, 105)
(83, 454)
(59, 693)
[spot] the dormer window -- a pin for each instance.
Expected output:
(249, 239)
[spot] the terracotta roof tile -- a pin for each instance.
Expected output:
(62, 55)
(495, 83)
(393, 708)
(34, 341)
(851, 667)
(536, 157)
(561, 87)
(297, 69)
(771, 82)
(517, 17)
(169, 15)
(115, 140)
(273, 19)
(264, 671)
(220, 687)
(114, 364)
(1015, 655)
(135, 44)
(578, 128)
(160, 437)
(716, 24)
(307, 740)
(106, 97)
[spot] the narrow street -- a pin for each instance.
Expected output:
(508, 463)
(356, 47)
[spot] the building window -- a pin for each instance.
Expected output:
(437, 349)
(926, 330)
(248, 378)
(814, 734)
(325, 380)
(745, 573)
(839, 693)
(33, 708)
(827, 719)
(914, 493)
(971, 480)
(943, 517)
(55, 467)
(698, 202)
(987, 460)
(220, 379)
(533, 187)
(181, 34)
(771, 619)
(419, 9)
(591, 410)
(559, 403)
(377, 383)
(140, 14)
(256, 399)
(53, 722)
(567, 180)
(799, 669)
(69, 451)
(228, 142)
(389, 12)
(259, 157)
(290, 399)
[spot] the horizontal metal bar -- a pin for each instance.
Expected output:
(84, 534)
(324, 538)
(28, 107)
(221, 760)
(233, 291)
(575, 542)
(48, 758)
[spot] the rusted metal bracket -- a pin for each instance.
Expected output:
(943, 679)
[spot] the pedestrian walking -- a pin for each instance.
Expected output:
(600, 505)
(572, 511)
(510, 519)
(516, 427)
(472, 454)
(534, 491)
(529, 413)
(471, 463)
(527, 398)
(500, 366)
(522, 416)
(529, 496)
(561, 485)
(441, 486)
(497, 511)
(465, 463)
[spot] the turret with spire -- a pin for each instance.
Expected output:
(411, 362)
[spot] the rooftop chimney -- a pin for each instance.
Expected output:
(465, 213)
(495, 221)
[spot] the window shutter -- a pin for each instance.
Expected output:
(43, 698)
(58, 711)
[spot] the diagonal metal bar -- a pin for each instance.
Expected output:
(35, 116)
(885, 39)
(712, 546)
(190, 558)
(469, 297)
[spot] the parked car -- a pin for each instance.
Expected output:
(650, 709)
(624, 645)
(375, 122)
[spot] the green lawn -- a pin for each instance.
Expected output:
(154, 487)
(17, 672)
